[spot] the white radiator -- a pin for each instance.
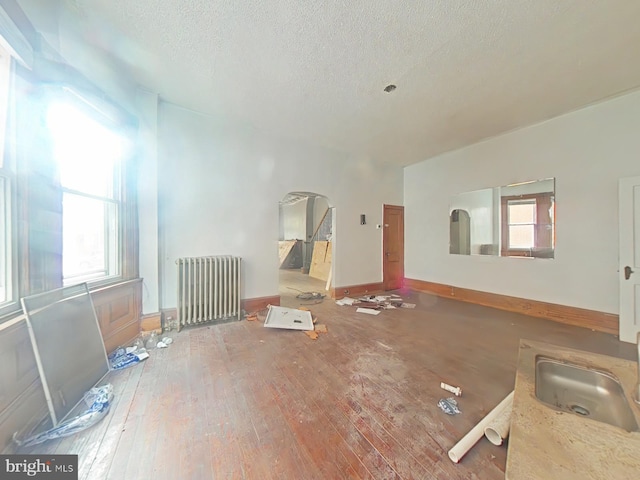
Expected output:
(208, 289)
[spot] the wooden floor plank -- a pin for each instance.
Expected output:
(364, 459)
(100, 464)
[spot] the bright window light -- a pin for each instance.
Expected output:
(88, 156)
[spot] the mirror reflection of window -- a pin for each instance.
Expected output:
(521, 218)
(527, 225)
(515, 220)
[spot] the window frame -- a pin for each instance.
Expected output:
(11, 304)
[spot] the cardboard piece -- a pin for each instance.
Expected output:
(321, 261)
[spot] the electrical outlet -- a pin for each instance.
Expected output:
(346, 292)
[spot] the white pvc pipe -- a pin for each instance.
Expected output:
(498, 429)
(460, 449)
(457, 391)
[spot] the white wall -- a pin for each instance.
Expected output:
(587, 151)
(294, 221)
(220, 184)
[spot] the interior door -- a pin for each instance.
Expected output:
(393, 247)
(629, 197)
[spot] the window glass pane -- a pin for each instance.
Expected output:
(5, 81)
(87, 153)
(89, 234)
(521, 212)
(521, 236)
(5, 273)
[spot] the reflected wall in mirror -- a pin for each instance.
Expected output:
(513, 221)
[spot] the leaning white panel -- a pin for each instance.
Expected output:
(291, 318)
(67, 344)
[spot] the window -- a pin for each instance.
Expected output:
(68, 211)
(528, 225)
(6, 182)
(89, 157)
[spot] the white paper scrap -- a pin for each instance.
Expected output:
(142, 355)
(369, 311)
(382, 298)
(408, 305)
(345, 301)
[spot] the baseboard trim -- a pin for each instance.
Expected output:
(356, 290)
(579, 317)
(250, 305)
(151, 322)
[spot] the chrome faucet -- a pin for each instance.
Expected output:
(636, 397)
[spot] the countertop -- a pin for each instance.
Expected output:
(547, 444)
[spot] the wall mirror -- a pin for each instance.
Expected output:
(511, 221)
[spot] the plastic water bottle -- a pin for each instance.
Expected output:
(152, 341)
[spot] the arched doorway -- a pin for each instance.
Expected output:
(305, 247)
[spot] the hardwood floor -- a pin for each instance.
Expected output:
(241, 401)
(292, 283)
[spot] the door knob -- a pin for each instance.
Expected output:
(627, 272)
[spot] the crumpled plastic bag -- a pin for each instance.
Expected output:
(125, 357)
(98, 399)
(449, 406)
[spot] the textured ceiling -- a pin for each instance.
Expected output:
(465, 70)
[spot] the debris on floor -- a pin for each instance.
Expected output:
(316, 296)
(152, 341)
(321, 328)
(310, 296)
(98, 399)
(375, 302)
(288, 318)
(369, 311)
(257, 315)
(314, 334)
(345, 301)
(449, 406)
(122, 358)
(457, 391)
